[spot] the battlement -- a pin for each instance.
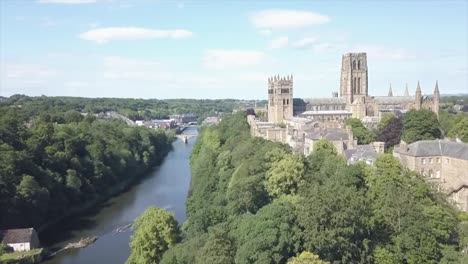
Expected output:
(280, 79)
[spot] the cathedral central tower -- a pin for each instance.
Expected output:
(354, 76)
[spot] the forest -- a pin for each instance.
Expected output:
(255, 201)
(135, 109)
(54, 160)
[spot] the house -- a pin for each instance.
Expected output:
(442, 162)
(23, 239)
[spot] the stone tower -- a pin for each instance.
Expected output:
(354, 76)
(390, 92)
(436, 99)
(280, 98)
(418, 99)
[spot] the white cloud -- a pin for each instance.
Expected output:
(27, 71)
(66, 1)
(279, 43)
(223, 59)
(265, 32)
(116, 67)
(103, 35)
(272, 19)
(305, 43)
(383, 52)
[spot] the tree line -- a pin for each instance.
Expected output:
(53, 161)
(255, 201)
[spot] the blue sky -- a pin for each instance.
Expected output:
(227, 49)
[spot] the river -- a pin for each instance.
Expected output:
(166, 187)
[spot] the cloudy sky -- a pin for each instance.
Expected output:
(227, 49)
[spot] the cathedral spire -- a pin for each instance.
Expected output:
(390, 92)
(436, 90)
(406, 90)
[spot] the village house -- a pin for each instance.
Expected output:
(443, 163)
(23, 239)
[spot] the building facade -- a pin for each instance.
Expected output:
(443, 163)
(23, 239)
(354, 96)
(280, 99)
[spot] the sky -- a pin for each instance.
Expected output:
(227, 49)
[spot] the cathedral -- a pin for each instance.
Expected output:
(353, 99)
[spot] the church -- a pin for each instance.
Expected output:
(353, 99)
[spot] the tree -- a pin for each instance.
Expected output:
(391, 132)
(420, 125)
(307, 258)
(285, 176)
(460, 130)
(360, 132)
(218, 249)
(156, 230)
(385, 119)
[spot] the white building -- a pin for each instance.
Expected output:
(23, 239)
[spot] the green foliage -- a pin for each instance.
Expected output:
(48, 168)
(156, 230)
(254, 201)
(360, 132)
(460, 129)
(420, 125)
(385, 120)
(307, 258)
(285, 176)
(4, 249)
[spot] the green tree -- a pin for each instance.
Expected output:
(420, 125)
(307, 258)
(285, 176)
(460, 130)
(156, 230)
(360, 132)
(218, 249)
(385, 119)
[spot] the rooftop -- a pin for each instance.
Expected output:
(11, 236)
(426, 148)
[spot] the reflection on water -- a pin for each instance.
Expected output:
(166, 187)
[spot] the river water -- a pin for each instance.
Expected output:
(166, 187)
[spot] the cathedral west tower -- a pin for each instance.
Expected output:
(280, 98)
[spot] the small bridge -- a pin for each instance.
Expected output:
(185, 138)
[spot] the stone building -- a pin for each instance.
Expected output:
(442, 162)
(23, 239)
(354, 98)
(280, 99)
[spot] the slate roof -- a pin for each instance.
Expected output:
(331, 134)
(361, 152)
(394, 99)
(326, 101)
(425, 148)
(11, 236)
(326, 112)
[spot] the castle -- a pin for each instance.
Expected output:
(353, 100)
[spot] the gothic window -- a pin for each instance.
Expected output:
(287, 101)
(359, 85)
(354, 86)
(359, 65)
(284, 101)
(354, 65)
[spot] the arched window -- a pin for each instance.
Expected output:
(354, 86)
(359, 85)
(354, 65)
(359, 65)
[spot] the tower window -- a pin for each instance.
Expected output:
(359, 85)
(354, 65)
(359, 65)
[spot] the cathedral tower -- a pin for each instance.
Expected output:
(354, 76)
(280, 98)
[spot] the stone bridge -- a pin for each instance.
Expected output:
(186, 137)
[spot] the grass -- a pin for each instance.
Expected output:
(21, 255)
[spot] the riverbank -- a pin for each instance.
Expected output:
(26, 257)
(113, 191)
